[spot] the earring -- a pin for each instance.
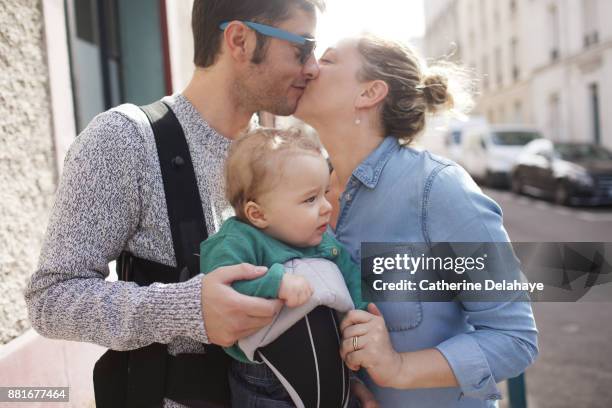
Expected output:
(358, 121)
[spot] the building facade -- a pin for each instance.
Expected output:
(63, 62)
(541, 62)
(28, 174)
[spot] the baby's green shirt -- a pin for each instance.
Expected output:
(238, 242)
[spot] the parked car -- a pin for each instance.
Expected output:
(568, 173)
(488, 152)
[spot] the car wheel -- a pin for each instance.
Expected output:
(490, 180)
(517, 184)
(562, 195)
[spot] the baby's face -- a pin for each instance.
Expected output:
(296, 209)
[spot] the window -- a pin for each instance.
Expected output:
(485, 73)
(513, 7)
(518, 112)
(553, 17)
(483, 18)
(117, 54)
(554, 116)
(590, 22)
(502, 114)
(514, 138)
(499, 72)
(473, 22)
(85, 17)
(596, 126)
(497, 15)
(516, 73)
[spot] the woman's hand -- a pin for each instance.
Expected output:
(363, 394)
(366, 344)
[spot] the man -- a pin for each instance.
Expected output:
(111, 195)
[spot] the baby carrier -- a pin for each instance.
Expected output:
(305, 358)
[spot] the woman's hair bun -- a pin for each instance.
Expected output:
(435, 91)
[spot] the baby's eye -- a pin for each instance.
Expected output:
(311, 199)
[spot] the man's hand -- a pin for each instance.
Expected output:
(294, 290)
(229, 315)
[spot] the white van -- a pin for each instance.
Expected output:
(488, 152)
(442, 135)
(454, 135)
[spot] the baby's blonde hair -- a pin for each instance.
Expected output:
(255, 162)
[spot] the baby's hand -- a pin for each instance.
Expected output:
(294, 290)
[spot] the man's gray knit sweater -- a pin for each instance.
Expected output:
(111, 198)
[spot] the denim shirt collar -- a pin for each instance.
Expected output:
(368, 172)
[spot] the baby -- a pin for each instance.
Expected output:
(276, 182)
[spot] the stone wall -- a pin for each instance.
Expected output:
(28, 175)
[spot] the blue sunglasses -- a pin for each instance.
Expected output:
(306, 45)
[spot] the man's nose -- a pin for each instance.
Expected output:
(311, 67)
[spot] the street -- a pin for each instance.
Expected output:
(574, 368)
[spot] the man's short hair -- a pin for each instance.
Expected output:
(207, 15)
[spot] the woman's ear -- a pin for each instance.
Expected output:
(372, 95)
(255, 214)
(237, 41)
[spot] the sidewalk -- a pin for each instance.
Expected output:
(32, 360)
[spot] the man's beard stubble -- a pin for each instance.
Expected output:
(258, 91)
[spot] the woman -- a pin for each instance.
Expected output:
(370, 100)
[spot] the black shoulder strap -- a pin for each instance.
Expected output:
(183, 201)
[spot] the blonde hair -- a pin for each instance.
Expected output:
(413, 90)
(255, 162)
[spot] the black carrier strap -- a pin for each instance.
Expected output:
(180, 186)
(144, 377)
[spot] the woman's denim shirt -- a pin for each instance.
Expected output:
(399, 194)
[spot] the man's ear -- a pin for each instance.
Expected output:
(239, 41)
(255, 214)
(372, 94)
